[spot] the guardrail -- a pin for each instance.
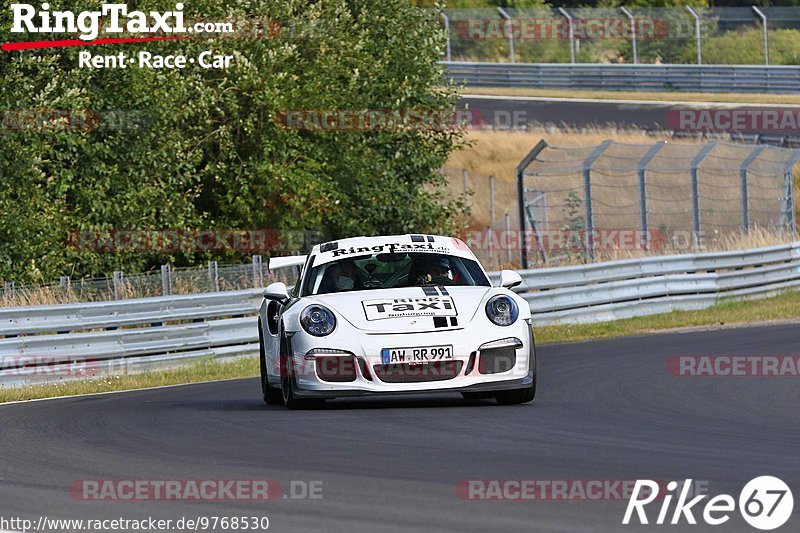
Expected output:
(634, 287)
(61, 342)
(628, 77)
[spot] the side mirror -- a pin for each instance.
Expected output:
(277, 291)
(509, 279)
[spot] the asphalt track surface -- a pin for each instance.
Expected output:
(584, 113)
(605, 410)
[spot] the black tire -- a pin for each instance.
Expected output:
(271, 395)
(288, 386)
(516, 396)
(525, 395)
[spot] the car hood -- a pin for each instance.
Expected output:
(407, 310)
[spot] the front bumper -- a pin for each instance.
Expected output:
(365, 353)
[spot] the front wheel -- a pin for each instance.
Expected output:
(290, 400)
(516, 396)
(270, 394)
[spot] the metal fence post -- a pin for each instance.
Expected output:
(510, 33)
(489, 236)
(520, 171)
(745, 193)
(118, 281)
(643, 189)
(8, 290)
(465, 173)
(507, 224)
(491, 200)
(258, 273)
(447, 32)
(633, 34)
(588, 216)
(166, 280)
(698, 36)
(66, 285)
(788, 215)
(763, 18)
(213, 275)
(571, 29)
(696, 190)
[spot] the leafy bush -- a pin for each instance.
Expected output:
(207, 151)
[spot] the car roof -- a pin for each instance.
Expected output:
(356, 246)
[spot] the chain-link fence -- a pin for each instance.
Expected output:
(625, 35)
(213, 277)
(579, 203)
(492, 213)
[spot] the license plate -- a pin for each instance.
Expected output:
(391, 356)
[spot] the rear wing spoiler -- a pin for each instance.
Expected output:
(277, 263)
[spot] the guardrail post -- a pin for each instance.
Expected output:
(258, 273)
(520, 171)
(587, 196)
(166, 280)
(213, 275)
(745, 193)
(118, 281)
(696, 190)
(571, 29)
(763, 18)
(698, 36)
(633, 34)
(511, 52)
(643, 190)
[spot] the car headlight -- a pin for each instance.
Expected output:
(318, 320)
(502, 310)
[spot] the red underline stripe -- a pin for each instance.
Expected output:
(31, 45)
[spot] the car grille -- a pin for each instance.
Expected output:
(336, 369)
(405, 373)
(497, 360)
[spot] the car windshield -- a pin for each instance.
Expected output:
(391, 270)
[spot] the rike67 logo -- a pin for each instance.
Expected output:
(765, 503)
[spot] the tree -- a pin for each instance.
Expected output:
(206, 148)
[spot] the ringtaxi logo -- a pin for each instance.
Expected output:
(27, 19)
(766, 503)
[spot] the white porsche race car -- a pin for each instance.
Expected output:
(395, 314)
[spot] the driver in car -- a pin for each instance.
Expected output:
(437, 271)
(345, 275)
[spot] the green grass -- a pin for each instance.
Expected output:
(782, 307)
(739, 98)
(207, 370)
